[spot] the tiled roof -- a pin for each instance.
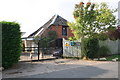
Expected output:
(60, 21)
(55, 20)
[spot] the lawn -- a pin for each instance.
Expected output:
(109, 58)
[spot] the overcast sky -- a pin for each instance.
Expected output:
(32, 14)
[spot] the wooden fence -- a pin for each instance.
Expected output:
(71, 49)
(75, 50)
(113, 46)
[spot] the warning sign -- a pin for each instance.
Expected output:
(66, 44)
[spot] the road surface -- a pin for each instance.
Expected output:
(106, 70)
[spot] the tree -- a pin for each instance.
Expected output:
(72, 38)
(45, 42)
(52, 35)
(91, 19)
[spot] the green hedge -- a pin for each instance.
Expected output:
(11, 43)
(90, 47)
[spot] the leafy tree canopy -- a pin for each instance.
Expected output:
(92, 18)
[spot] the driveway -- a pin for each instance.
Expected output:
(64, 68)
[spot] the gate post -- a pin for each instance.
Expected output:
(38, 51)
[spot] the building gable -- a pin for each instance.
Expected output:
(56, 23)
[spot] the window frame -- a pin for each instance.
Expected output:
(66, 31)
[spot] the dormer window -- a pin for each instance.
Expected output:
(64, 31)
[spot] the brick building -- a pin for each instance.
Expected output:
(56, 23)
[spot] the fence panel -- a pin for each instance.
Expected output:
(75, 51)
(118, 46)
(114, 46)
(71, 50)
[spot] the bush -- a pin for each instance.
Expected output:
(11, 43)
(113, 38)
(90, 47)
(103, 51)
(102, 36)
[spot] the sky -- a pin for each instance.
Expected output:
(32, 14)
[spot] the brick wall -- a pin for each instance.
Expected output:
(58, 30)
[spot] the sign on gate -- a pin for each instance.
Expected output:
(66, 43)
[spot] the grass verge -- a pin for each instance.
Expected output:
(109, 58)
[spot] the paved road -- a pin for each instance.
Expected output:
(106, 70)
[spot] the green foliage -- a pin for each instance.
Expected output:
(113, 38)
(44, 42)
(11, 43)
(103, 51)
(102, 36)
(105, 18)
(90, 48)
(0, 45)
(109, 58)
(52, 35)
(111, 29)
(91, 19)
(72, 38)
(113, 33)
(36, 39)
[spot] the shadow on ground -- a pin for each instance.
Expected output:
(79, 72)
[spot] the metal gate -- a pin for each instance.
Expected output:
(36, 53)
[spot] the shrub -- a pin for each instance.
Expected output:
(11, 43)
(113, 38)
(102, 36)
(44, 42)
(90, 47)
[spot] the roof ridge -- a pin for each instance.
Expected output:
(35, 32)
(55, 20)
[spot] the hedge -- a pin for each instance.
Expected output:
(90, 47)
(11, 43)
(0, 45)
